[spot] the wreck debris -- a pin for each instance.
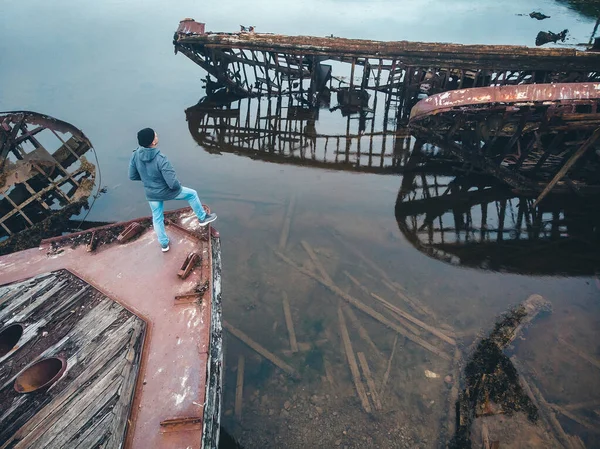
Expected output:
(255, 64)
(289, 323)
(538, 15)
(491, 380)
(287, 222)
(260, 349)
(239, 388)
(364, 365)
(545, 37)
(42, 169)
(360, 388)
(366, 309)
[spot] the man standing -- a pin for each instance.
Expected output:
(150, 166)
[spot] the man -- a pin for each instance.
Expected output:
(150, 166)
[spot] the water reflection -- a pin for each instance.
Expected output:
(361, 138)
(477, 222)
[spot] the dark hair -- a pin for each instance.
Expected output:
(145, 137)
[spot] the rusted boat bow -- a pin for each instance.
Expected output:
(106, 341)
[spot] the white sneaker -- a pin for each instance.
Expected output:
(165, 249)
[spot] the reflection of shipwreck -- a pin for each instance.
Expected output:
(280, 130)
(475, 222)
(42, 170)
(254, 64)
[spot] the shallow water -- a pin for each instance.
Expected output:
(109, 69)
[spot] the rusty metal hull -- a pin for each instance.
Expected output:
(178, 393)
(530, 137)
(255, 64)
(42, 169)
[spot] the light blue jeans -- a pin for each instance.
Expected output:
(158, 218)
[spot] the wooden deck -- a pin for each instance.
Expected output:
(102, 341)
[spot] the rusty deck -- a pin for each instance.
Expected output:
(177, 393)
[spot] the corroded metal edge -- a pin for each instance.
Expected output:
(214, 367)
(523, 93)
(189, 33)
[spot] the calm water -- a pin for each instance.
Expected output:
(108, 68)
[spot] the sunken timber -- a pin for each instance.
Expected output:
(107, 342)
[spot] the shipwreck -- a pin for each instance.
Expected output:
(106, 342)
(527, 116)
(43, 171)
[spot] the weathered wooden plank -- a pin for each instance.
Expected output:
(287, 222)
(317, 262)
(92, 435)
(289, 323)
(15, 303)
(96, 399)
(416, 321)
(360, 389)
(260, 349)
(362, 331)
(90, 326)
(60, 418)
(94, 358)
(370, 382)
(127, 390)
(24, 314)
(239, 388)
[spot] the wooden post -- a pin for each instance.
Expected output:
(360, 389)
(239, 388)
(289, 323)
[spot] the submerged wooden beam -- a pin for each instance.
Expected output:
(362, 331)
(360, 389)
(287, 222)
(370, 383)
(260, 349)
(289, 323)
(386, 376)
(239, 388)
(368, 310)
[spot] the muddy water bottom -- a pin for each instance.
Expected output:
(411, 404)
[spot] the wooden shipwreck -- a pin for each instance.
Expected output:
(107, 342)
(43, 170)
(255, 64)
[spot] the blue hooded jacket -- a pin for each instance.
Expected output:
(156, 173)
